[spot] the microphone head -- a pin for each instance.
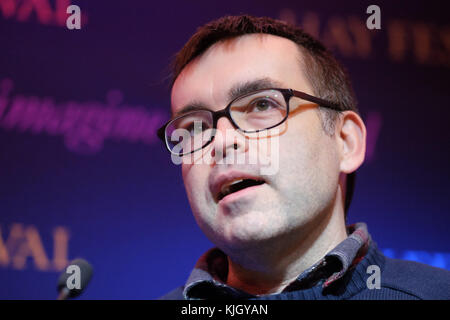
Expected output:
(75, 277)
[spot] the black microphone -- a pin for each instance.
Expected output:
(74, 279)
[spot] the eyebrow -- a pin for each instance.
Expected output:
(239, 89)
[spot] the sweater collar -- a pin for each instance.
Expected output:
(207, 279)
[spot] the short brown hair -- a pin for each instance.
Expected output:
(329, 80)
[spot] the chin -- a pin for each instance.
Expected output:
(248, 230)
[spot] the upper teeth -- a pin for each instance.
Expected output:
(226, 187)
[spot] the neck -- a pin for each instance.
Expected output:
(271, 268)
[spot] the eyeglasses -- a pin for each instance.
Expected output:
(250, 113)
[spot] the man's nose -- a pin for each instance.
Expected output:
(227, 139)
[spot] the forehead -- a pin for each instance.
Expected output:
(209, 78)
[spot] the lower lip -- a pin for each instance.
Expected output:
(238, 194)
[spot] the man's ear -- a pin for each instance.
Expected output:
(351, 134)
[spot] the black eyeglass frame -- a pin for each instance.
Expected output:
(216, 115)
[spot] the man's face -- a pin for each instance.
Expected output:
(294, 199)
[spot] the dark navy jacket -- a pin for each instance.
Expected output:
(400, 280)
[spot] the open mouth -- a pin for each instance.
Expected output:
(238, 185)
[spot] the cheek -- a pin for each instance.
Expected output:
(298, 150)
(190, 177)
(195, 178)
(310, 167)
(307, 144)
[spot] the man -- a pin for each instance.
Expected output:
(242, 83)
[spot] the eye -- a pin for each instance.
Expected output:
(195, 127)
(261, 105)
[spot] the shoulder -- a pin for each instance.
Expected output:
(417, 279)
(175, 294)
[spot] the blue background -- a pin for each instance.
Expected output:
(124, 205)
